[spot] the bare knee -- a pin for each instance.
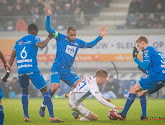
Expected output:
(92, 116)
(54, 87)
(132, 90)
(43, 90)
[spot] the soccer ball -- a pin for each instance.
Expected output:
(115, 111)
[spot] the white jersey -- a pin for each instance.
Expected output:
(85, 88)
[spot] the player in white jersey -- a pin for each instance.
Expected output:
(85, 88)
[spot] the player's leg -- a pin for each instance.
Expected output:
(143, 103)
(1, 108)
(39, 82)
(87, 115)
(24, 83)
(55, 81)
(132, 95)
(70, 78)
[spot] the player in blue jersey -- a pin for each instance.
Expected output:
(67, 48)
(153, 65)
(6, 66)
(25, 51)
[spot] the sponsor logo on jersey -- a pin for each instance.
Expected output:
(20, 43)
(70, 50)
(24, 60)
(26, 65)
(28, 42)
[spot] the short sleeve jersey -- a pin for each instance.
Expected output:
(26, 53)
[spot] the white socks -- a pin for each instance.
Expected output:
(84, 119)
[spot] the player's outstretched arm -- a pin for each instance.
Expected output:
(48, 11)
(94, 42)
(6, 65)
(45, 42)
(103, 31)
(48, 25)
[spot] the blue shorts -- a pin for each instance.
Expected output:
(65, 74)
(1, 93)
(36, 78)
(150, 84)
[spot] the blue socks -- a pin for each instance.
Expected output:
(143, 102)
(128, 104)
(25, 103)
(48, 103)
(51, 94)
(1, 115)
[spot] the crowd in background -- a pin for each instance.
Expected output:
(146, 14)
(18, 14)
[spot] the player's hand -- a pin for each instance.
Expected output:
(51, 35)
(107, 99)
(47, 10)
(103, 30)
(142, 70)
(135, 52)
(7, 67)
(118, 108)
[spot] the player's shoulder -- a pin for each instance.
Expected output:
(149, 49)
(91, 80)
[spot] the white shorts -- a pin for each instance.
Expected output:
(78, 108)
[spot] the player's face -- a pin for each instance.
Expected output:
(141, 46)
(102, 81)
(71, 35)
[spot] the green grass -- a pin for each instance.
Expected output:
(14, 112)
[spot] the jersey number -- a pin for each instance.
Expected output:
(82, 84)
(23, 53)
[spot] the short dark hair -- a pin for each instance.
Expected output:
(32, 28)
(142, 38)
(101, 73)
(71, 28)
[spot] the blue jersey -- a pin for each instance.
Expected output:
(26, 53)
(155, 59)
(66, 51)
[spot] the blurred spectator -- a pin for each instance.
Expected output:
(131, 21)
(135, 7)
(159, 9)
(40, 5)
(79, 17)
(152, 22)
(21, 25)
(141, 21)
(110, 89)
(161, 21)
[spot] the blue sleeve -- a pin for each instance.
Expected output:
(91, 44)
(37, 39)
(144, 65)
(48, 25)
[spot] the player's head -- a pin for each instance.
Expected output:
(71, 33)
(33, 29)
(101, 76)
(142, 43)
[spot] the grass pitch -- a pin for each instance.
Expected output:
(14, 112)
